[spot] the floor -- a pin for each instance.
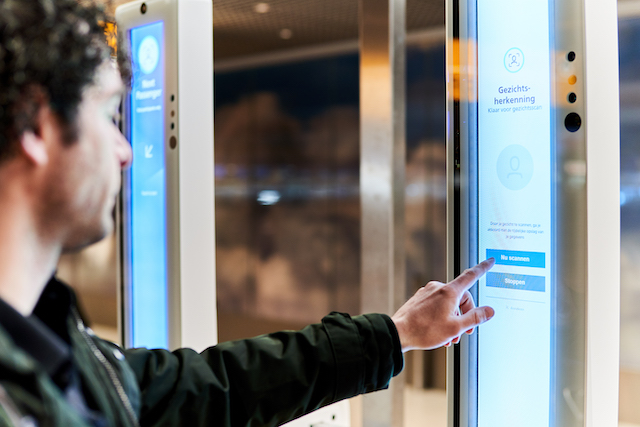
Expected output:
(428, 408)
(425, 408)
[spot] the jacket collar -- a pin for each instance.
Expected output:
(38, 341)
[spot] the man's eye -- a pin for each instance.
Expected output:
(115, 118)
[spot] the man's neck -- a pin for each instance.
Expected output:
(26, 260)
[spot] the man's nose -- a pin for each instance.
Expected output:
(123, 148)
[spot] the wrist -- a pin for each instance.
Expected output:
(401, 330)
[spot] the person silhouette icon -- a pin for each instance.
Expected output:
(514, 167)
(514, 163)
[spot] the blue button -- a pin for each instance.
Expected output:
(517, 258)
(515, 281)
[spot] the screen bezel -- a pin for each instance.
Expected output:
(128, 17)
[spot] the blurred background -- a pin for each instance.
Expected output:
(287, 180)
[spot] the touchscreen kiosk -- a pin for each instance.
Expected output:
(527, 176)
(167, 238)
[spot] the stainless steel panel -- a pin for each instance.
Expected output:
(382, 165)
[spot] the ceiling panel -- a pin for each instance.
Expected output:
(248, 27)
(241, 29)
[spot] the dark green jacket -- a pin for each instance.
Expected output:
(264, 381)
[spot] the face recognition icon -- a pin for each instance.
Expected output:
(514, 60)
(515, 167)
(148, 54)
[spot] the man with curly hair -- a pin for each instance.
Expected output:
(60, 161)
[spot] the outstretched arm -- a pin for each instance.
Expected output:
(267, 380)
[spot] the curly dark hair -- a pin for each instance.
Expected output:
(49, 53)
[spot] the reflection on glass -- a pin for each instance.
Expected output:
(287, 200)
(629, 34)
(425, 207)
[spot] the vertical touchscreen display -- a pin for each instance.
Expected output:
(514, 212)
(147, 212)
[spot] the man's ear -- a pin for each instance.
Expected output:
(38, 125)
(34, 148)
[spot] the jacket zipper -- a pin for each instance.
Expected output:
(107, 366)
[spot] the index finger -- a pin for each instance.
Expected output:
(471, 275)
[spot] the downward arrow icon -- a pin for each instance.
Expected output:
(147, 151)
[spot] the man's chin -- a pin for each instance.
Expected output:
(84, 238)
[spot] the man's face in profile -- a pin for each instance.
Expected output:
(85, 175)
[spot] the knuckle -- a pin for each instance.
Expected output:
(432, 284)
(477, 317)
(443, 292)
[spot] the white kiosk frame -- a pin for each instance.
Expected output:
(589, 223)
(189, 169)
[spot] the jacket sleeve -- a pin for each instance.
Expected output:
(268, 380)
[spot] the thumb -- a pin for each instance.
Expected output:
(475, 317)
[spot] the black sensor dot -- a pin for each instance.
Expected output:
(572, 97)
(572, 122)
(571, 56)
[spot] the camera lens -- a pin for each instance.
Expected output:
(571, 56)
(143, 8)
(572, 122)
(572, 97)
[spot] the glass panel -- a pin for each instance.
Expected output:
(629, 34)
(287, 199)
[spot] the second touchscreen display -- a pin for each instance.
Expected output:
(514, 212)
(148, 237)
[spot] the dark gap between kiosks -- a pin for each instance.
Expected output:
(517, 105)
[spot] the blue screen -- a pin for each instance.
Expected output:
(148, 257)
(514, 212)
